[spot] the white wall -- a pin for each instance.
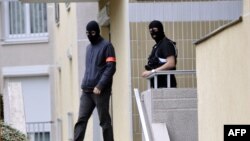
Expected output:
(122, 95)
(223, 79)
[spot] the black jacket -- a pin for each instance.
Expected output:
(162, 50)
(100, 66)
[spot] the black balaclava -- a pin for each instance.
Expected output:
(93, 26)
(158, 35)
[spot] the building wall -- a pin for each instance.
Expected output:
(25, 53)
(223, 79)
(29, 63)
(1, 26)
(121, 97)
(66, 79)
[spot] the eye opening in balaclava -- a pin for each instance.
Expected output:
(93, 26)
(156, 35)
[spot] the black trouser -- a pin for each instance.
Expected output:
(162, 81)
(87, 104)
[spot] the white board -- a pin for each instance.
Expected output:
(15, 106)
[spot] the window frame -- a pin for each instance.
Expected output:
(27, 37)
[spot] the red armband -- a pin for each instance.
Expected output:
(111, 59)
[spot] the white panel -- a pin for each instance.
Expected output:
(14, 106)
(180, 11)
(37, 101)
(25, 71)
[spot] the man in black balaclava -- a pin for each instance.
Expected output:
(163, 56)
(93, 32)
(156, 31)
(97, 83)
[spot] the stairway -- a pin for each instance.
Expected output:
(175, 109)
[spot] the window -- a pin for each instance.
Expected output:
(25, 21)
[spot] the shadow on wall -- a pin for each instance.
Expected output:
(1, 107)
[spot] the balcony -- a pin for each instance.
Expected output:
(39, 131)
(168, 113)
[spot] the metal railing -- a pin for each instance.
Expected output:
(39, 131)
(167, 73)
(143, 117)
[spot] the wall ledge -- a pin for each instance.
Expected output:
(20, 71)
(218, 30)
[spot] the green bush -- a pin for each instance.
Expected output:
(10, 134)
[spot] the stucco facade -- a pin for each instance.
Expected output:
(223, 79)
(66, 74)
(122, 99)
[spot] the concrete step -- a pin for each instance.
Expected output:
(177, 116)
(178, 103)
(177, 108)
(173, 93)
